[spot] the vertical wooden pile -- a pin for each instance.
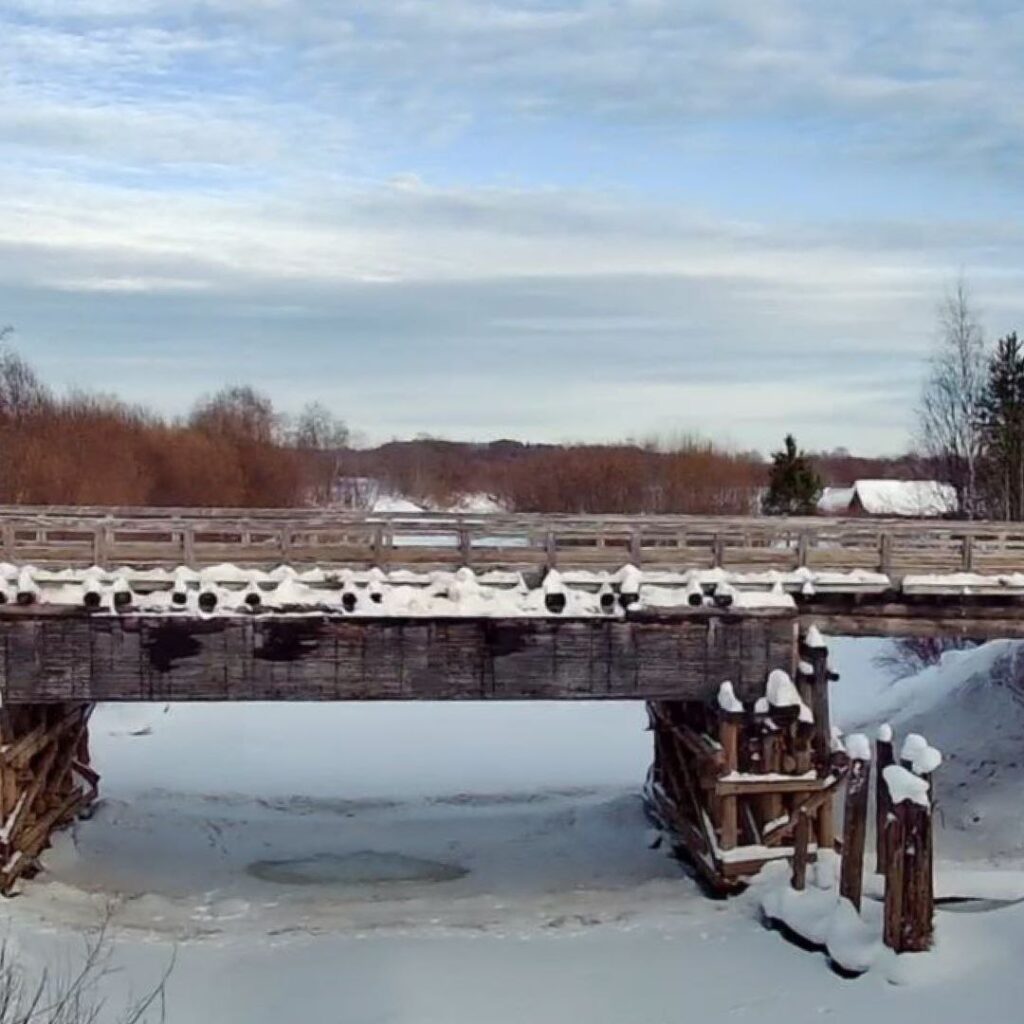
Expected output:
(904, 822)
(732, 783)
(46, 780)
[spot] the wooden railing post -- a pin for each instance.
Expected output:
(188, 546)
(550, 549)
(967, 553)
(802, 545)
(717, 551)
(636, 547)
(885, 554)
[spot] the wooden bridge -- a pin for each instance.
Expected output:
(136, 536)
(381, 612)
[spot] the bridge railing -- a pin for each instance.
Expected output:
(81, 536)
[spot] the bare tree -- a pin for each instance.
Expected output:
(21, 391)
(72, 996)
(321, 437)
(239, 413)
(906, 656)
(318, 429)
(949, 418)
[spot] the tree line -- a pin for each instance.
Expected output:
(235, 449)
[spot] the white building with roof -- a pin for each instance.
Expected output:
(919, 499)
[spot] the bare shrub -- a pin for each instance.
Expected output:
(910, 655)
(73, 995)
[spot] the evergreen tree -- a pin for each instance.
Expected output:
(794, 487)
(1002, 423)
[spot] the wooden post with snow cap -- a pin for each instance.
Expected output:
(730, 717)
(909, 905)
(884, 756)
(855, 818)
(919, 900)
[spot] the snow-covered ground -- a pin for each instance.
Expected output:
(491, 863)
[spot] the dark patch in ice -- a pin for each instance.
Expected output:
(499, 799)
(360, 868)
(326, 805)
(974, 904)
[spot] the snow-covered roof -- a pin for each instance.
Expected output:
(835, 500)
(892, 498)
(394, 503)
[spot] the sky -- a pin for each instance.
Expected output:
(545, 219)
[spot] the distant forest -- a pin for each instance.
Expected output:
(234, 449)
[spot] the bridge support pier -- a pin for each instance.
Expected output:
(730, 782)
(46, 780)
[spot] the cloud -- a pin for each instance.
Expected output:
(554, 217)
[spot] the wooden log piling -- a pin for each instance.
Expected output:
(46, 780)
(884, 756)
(909, 857)
(739, 783)
(855, 818)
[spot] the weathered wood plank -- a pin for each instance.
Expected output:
(319, 657)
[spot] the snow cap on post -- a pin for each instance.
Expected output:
(813, 638)
(904, 785)
(926, 760)
(28, 589)
(630, 579)
(912, 746)
(727, 700)
(121, 590)
(836, 744)
(780, 691)
(858, 746)
(884, 734)
(555, 592)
